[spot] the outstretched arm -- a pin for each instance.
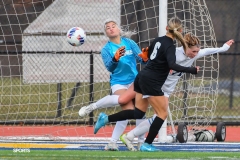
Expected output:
(171, 58)
(208, 51)
(230, 42)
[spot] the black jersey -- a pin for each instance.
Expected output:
(161, 59)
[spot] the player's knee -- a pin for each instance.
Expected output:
(123, 100)
(138, 114)
(162, 112)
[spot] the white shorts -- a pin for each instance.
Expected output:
(116, 87)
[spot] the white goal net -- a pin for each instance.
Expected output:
(44, 81)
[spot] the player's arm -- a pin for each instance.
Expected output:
(171, 58)
(108, 60)
(209, 51)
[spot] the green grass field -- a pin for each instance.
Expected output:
(108, 155)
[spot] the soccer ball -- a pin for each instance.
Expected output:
(76, 36)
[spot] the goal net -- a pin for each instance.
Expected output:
(45, 81)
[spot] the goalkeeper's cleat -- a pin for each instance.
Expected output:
(127, 142)
(145, 147)
(139, 145)
(111, 147)
(101, 122)
(87, 109)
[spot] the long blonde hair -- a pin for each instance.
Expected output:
(123, 32)
(174, 27)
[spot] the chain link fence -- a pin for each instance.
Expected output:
(226, 26)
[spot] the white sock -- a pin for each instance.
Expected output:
(107, 101)
(142, 136)
(141, 129)
(118, 130)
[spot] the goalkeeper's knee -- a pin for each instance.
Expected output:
(138, 114)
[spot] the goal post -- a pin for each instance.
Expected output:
(39, 70)
(163, 18)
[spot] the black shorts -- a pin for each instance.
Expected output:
(147, 86)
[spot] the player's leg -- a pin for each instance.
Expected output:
(103, 119)
(159, 105)
(127, 96)
(122, 100)
(122, 95)
(139, 130)
(137, 115)
(163, 137)
(117, 132)
(105, 102)
(141, 108)
(141, 137)
(142, 128)
(121, 125)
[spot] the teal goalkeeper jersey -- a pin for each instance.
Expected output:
(125, 70)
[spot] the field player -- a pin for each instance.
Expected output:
(183, 58)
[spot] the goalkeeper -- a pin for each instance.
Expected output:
(193, 52)
(119, 56)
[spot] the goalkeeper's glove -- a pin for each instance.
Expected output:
(144, 54)
(119, 53)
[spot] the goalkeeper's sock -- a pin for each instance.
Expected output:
(107, 101)
(118, 130)
(154, 128)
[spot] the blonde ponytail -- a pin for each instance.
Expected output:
(174, 27)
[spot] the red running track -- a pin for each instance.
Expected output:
(232, 134)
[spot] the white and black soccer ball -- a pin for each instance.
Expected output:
(76, 36)
(205, 136)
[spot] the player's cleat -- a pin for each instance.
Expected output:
(111, 147)
(139, 145)
(127, 142)
(100, 122)
(87, 109)
(145, 147)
